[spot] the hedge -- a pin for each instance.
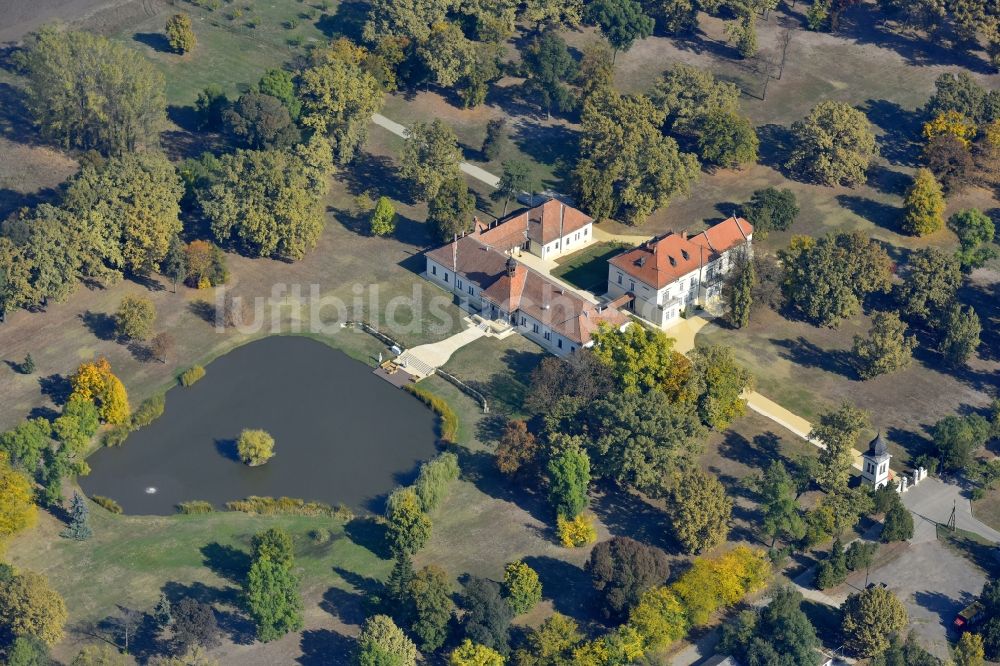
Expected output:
(150, 410)
(195, 507)
(434, 478)
(271, 506)
(106, 502)
(191, 375)
(449, 420)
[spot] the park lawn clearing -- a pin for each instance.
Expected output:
(130, 559)
(588, 268)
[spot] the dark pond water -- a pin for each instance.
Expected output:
(341, 434)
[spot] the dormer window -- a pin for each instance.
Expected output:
(684, 253)
(673, 262)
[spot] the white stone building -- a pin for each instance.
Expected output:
(667, 275)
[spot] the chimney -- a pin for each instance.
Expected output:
(511, 267)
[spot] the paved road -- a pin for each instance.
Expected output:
(470, 169)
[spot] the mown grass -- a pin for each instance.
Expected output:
(130, 559)
(588, 268)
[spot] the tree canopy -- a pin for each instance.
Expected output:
(833, 145)
(86, 91)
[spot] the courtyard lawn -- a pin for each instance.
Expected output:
(588, 268)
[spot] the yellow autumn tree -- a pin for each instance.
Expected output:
(17, 506)
(474, 654)
(924, 204)
(94, 381)
(953, 123)
(659, 618)
(29, 606)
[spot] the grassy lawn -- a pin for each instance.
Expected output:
(988, 509)
(499, 369)
(588, 268)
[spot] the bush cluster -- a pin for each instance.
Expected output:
(449, 419)
(190, 376)
(107, 503)
(150, 410)
(288, 506)
(195, 507)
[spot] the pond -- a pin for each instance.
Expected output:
(342, 435)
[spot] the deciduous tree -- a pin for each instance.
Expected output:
(17, 506)
(131, 205)
(272, 596)
(430, 158)
(135, 318)
(975, 232)
(838, 430)
(429, 594)
(549, 67)
(961, 334)
(194, 624)
(450, 210)
(834, 145)
(407, 528)
(780, 633)
(924, 205)
(86, 91)
(929, 286)
(260, 121)
(338, 100)
(628, 168)
(622, 570)
(870, 618)
(886, 349)
(700, 511)
(383, 219)
(727, 139)
(267, 202)
(255, 447)
(521, 587)
(29, 606)
(180, 33)
(473, 654)
(720, 384)
(382, 643)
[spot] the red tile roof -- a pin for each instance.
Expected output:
(527, 291)
(662, 260)
(542, 224)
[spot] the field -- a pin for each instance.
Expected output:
(485, 522)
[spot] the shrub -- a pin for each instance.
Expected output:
(107, 503)
(576, 532)
(150, 410)
(449, 420)
(255, 447)
(195, 507)
(435, 477)
(288, 506)
(191, 375)
(116, 436)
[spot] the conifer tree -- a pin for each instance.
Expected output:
(739, 291)
(79, 524)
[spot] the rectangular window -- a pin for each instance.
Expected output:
(557, 244)
(434, 270)
(470, 290)
(572, 349)
(631, 285)
(619, 278)
(458, 283)
(524, 322)
(559, 343)
(585, 230)
(547, 336)
(534, 328)
(445, 277)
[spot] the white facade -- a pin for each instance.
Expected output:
(663, 307)
(571, 242)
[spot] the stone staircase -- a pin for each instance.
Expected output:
(412, 364)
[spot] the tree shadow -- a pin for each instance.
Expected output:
(154, 40)
(810, 355)
(887, 181)
(15, 120)
(945, 48)
(322, 647)
(568, 586)
(626, 514)
(377, 172)
(776, 143)
(985, 299)
(490, 428)
(139, 627)
(56, 388)
(203, 310)
(825, 618)
(100, 324)
(347, 21)
(552, 145)
(940, 604)
(348, 607)
(227, 449)
(12, 200)
(880, 214)
(900, 128)
(479, 468)
(912, 442)
(226, 562)
(369, 534)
